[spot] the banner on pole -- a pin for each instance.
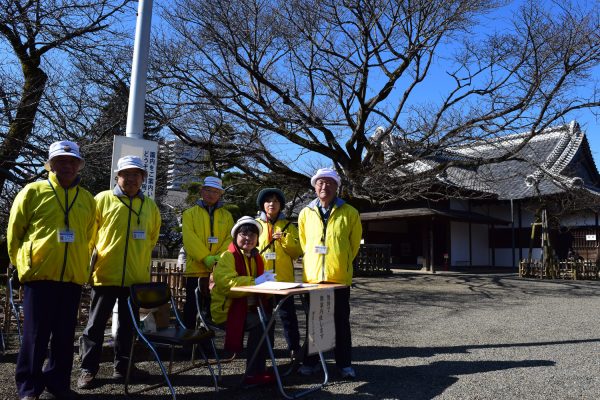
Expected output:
(321, 326)
(147, 150)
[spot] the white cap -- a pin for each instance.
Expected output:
(129, 162)
(326, 173)
(63, 148)
(245, 220)
(213, 182)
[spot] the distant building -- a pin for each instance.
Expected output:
(185, 164)
(493, 229)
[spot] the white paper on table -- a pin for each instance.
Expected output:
(321, 326)
(272, 285)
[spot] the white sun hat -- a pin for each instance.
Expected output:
(213, 182)
(326, 173)
(63, 148)
(129, 162)
(245, 220)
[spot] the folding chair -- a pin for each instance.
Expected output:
(16, 306)
(152, 295)
(204, 321)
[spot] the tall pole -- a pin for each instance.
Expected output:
(139, 69)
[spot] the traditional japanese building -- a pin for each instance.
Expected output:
(552, 170)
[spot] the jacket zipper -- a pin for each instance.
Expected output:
(126, 242)
(62, 273)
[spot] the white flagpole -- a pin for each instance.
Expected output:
(139, 69)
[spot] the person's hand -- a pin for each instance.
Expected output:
(277, 235)
(268, 276)
(210, 261)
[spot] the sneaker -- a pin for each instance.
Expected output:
(29, 398)
(308, 370)
(85, 380)
(348, 373)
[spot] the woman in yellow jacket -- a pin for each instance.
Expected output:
(49, 236)
(127, 229)
(280, 246)
(242, 265)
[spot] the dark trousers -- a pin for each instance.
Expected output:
(50, 314)
(103, 301)
(255, 332)
(289, 320)
(190, 311)
(343, 337)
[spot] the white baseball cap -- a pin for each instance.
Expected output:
(245, 220)
(129, 162)
(326, 173)
(63, 148)
(213, 182)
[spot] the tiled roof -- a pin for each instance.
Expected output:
(544, 165)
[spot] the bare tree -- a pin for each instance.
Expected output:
(314, 79)
(38, 37)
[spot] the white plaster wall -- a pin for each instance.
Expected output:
(480, 244)
(459, 244)
(503, 256)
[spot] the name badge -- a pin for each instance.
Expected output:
(213, 240)
(321, 249)
(271, 256)
(66, 236)
(139, 235)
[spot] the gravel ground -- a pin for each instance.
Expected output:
(443, 336)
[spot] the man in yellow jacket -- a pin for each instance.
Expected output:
(50, 230)
(280, 246)
(330, 233)
(127, 228)
(206, 235)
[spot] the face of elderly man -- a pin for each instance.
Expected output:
(326, 189)
(210, 195)
(66, 169)
(130, 180)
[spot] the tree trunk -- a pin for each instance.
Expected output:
(20, 129)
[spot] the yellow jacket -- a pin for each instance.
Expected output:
(226, 277)
(124, 241)
(342, 238)
(36, 217)
(196, 231)
(286, 249)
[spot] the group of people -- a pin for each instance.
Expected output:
(56, 227)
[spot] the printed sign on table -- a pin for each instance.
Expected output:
(321, 326)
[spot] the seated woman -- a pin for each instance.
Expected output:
(242, 265)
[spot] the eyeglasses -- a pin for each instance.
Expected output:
(272, 201)
(322, 182)
(130, 174)
(248, 235)
(215, 192)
